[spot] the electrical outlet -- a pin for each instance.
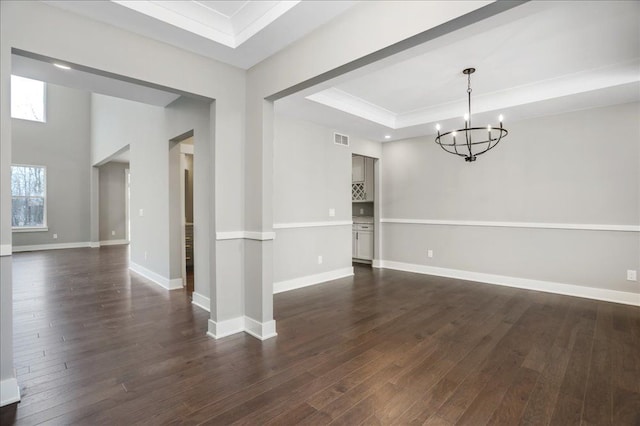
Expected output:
(146, 255)
(319, 260)
(430, 253)
(113, 232)
(332, 212)
(141, 212)
(361, 211)
(632, 275)
(55, 236)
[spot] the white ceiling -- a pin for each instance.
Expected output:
(240, 33)
(536, 59)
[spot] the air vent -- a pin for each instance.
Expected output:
(339, 139)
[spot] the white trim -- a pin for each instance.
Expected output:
(308, 280)
(221, 329)
(166, 283)
(311, 224)
(230, 235)
(30, 229)
(38, 247)
(113, 242)
(615, 296)
(201, 301)
(538, 225)
(9, 392)
(5, 250)
(260, 330)
(94, 244)
(245, 235)
(259, 236)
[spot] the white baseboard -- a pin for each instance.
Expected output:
(9, 392)
(262, 331)
(5, 250)
(221, 329)
(94, 244)
(201, 301)
(524, 283)
(166, 283)
(113, 242)
(39, 247)
(308, 280)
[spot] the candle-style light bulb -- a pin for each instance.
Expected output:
(500, 118)
(489, 131)
(454, 137)
(466, 119)
(438, 127)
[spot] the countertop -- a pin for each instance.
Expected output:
(362, 219)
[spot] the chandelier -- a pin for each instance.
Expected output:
(470, 142)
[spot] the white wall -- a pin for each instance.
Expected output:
(577, 168)
(62, 145)
(311, 176)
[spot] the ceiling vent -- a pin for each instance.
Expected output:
(339, 139)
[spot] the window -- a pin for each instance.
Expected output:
(28, 197)
(27, 99)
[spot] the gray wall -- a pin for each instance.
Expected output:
(62, 144)
(576, 168)
(112, 193)
(311, 176)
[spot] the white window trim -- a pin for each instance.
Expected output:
(45, 226)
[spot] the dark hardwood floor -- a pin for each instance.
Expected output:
(96, 345)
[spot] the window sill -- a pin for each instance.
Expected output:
(34, 229)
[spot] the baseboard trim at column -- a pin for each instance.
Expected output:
(221, 329)
(260, 330)
(201, 301)
(9, 392)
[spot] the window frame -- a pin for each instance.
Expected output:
(44, 101)
(45, 226)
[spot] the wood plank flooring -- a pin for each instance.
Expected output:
(95, 344)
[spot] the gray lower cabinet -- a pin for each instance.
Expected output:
(362, 244)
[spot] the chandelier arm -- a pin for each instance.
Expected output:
(498, 141)
(450, 152)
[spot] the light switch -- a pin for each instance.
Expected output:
(141, 212)
(332, 212)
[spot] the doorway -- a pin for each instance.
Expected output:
(186, 196)
(363, 190)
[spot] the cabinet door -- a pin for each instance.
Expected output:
(357, 169)
(368, 179)
(365, 245)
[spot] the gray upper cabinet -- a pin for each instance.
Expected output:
(362, 188)
(357, 169)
